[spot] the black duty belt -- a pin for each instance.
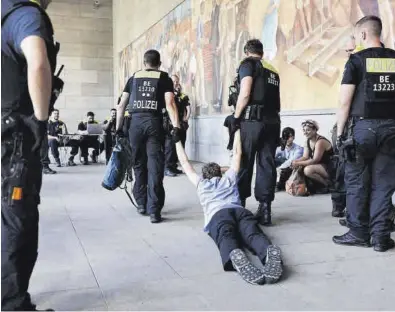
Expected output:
(256, 113)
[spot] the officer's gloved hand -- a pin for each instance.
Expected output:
(38, 128)
(234, 124)
(176, 134)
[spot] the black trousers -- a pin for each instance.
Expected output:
(90, 142)
(234, 228)
(19, 220)
(183, 135)
(55, 144)
(284, 176)
(170, 153)
(44, 153)
(338, 191)
(109, 141)
(259, 139)
(370, 179)
(147, 139)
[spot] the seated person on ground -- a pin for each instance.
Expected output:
(316, 158)
(55, 128)
(109, 129)
(285, 155)
(231, 226)
(89, 141)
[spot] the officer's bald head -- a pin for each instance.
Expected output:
(370, 24)
(152, 59)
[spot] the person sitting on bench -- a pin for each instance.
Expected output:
(231, 226)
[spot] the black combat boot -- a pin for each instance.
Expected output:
(264, 213)
(337, 211)
(58, 164)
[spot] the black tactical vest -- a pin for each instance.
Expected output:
(14, 88)
(146, 96)
(265, 91)
(374, 97)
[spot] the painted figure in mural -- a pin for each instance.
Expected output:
(305, 16)
(200, 42)
(148, 93)
(257, 115)
(367, 111)
(215, 45)
(387, 17)
(229, 224)
(269, 32)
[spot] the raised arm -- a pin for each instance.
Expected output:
(236, 152)
(186, 165)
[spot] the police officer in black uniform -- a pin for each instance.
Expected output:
(368, 102)
(28, 61)
(148, 93)
(257, 115)
(184, 110)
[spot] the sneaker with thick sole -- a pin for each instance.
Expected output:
(142, 210)
(155, 218)
(273, 269)
(47, 170)
(248, 272)
(71, 163)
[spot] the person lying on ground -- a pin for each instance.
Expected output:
(231, 226)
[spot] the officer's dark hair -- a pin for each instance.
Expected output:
(287, 133)
(55, 110)
(152, 58)
(254, 46)
(375, 24)
(90, 114)
(113, 109)
(211, 170)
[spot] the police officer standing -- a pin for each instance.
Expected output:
(28, 59)
(148, 93)
(367, 101)
(257, 114)
(184, 112)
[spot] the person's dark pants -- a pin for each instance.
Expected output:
(55, 144)
(233, 228)
(170, 153)
(338, 191)
(183, 137)
(19, 222)
(90, 142)
(146, 137)
(370, 179)
(109, 142)
(259, 139)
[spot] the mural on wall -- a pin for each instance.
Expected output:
(202, 41)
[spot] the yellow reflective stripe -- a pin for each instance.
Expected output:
(36, 2)
(126, 114)
(358, 49)
(380, 65)
(269, 66)
(147, 74)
